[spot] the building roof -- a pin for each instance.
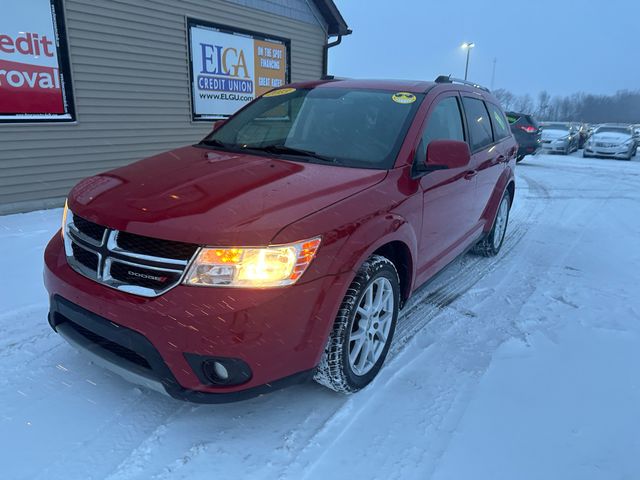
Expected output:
(336, 23)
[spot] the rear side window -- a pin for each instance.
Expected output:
(512, 118)
(500, 125)
(478, 122)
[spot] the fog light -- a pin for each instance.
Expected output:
(220, 370)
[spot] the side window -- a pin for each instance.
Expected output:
(444, 123)
(500, 126)
(478, 122)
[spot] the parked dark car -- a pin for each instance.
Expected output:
(283, 245)
(527, 133)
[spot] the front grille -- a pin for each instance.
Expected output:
(85, 257)
(125, 261)
(143, 277)
(90, 229)
(155, 247)
(115, 348)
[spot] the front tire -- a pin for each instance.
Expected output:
(492, 243)
(362, 332)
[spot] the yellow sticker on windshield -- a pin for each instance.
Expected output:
(403, 97)
(281, 91)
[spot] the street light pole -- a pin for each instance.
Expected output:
(468, 46)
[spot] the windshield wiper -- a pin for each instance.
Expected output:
(284, 149)
(217, 143)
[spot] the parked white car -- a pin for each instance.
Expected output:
(559, 137)
(611, 141)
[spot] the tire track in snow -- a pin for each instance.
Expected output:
(459, 277)
(446, 403)
(426, 304)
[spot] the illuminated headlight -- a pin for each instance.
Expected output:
(273, 266)
(66, 218)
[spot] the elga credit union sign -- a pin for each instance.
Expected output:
(229, 68)
(34, 71)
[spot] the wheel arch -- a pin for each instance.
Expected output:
(399, 254)
(505, 183)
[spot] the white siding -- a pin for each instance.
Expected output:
(129, 63)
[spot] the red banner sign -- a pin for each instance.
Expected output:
(32, 80)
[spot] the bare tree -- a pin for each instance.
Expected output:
(524, 104)
(542, 110)
(505, 97)
(622, 107)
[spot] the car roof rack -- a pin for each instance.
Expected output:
(450, 79)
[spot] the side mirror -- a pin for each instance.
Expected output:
(218, 123)
(443, 154)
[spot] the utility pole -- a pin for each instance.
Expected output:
(468, 46)
(493, 74)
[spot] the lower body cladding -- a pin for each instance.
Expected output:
(205, 345)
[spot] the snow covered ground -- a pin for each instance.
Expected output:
(525, 366)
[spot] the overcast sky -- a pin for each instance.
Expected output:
(561, 46)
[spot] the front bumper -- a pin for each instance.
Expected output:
(557, 147)
(528, 148)
(280, 333)
(607, 152)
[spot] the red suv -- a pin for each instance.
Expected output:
(284, 244)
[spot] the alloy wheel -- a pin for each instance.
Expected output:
(501, 223)
(371, 326)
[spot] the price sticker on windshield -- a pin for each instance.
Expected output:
(281, 91)
(403, 97)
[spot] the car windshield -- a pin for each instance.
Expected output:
(624, 130)
(555, 126)
(349, 127)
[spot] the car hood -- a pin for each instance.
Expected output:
(610, 137)
(210, 197)
(554, 134)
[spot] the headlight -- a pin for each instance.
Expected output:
(629, 142)
(65, 214)
(272, 266)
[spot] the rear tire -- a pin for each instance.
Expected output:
(362, 332)
(491, 244)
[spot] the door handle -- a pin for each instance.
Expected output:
(470, 174)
